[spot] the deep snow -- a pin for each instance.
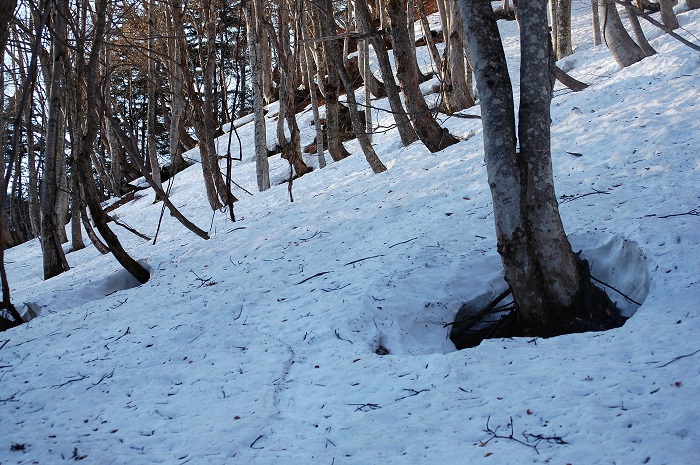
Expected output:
(259, 345)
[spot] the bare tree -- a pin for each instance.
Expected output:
(546, 278)
(403, 124)
(54, 259)
(255, 36)
(336, 62)
(430, 133)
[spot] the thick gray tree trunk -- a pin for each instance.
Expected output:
(539, 265)
(668, 16)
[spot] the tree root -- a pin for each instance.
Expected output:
(497, 321)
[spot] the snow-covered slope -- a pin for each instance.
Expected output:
(260, 345)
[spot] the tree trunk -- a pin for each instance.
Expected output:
(563, 28)
(430, 133)
(76, 232)
(668, 16)
(456, 92)
(151, 89)
(177, 162)
(83, 158)
(209, 108)
(595, 23)
(539, 265)
(33, 177)
(403, 124)
(198, 117)
(332, 89)
(53, 256)
(335, 61)
(308, 51)
(639, 33)
(290, 78)
(621, 45)
(262, 169)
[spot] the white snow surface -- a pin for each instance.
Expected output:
(258, 345)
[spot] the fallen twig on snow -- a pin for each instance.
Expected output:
(538, 437)
(338, 336)
(676, 359)
(314, 276)
(413, 392)
(363, 259)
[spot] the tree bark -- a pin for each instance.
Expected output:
(621, 45)
(430, 133)
(335, 61)
(262, 169)
(562, 28)
(639, 33)
(539, 265)
(54, 258)
(668, 16)
(403, 124)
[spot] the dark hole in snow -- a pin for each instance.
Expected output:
(617, 266)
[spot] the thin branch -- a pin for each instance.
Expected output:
(661, 26)
(314, 276)
(363, 259)
(627, 298)
(129, 228)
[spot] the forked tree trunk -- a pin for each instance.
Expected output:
(539, 265)
(430, 133)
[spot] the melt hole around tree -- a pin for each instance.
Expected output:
(617, 266)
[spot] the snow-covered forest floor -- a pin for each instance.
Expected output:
(260, 345)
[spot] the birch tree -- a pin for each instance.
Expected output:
(548, 281)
